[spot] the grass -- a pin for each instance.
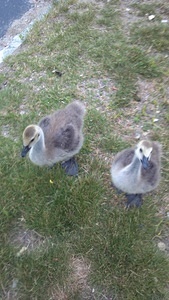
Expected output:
(71, 238)
(156, 36)
(121, 258)
(156, 8)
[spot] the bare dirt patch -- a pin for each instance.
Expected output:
(77, 282)
(98, 89)
(26, 240)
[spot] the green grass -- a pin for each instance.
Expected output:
(122, 261)
(156, 36)
(83, 219)
(156, 8)
(145, 8)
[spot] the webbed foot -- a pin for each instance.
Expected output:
(71, 167)
(134, 200)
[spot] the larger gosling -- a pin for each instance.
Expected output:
(56, 138)
(136, 171)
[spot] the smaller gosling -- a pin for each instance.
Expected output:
(136, 171)
(56, 138)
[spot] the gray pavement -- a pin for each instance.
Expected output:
(10, 10)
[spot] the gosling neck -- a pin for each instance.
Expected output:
(37, 152)
(134, 166)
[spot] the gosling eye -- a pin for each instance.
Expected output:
(141, 150)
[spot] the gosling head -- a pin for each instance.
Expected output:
(31, 136)
(143, 152)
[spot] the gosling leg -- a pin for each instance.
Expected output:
(70, 166)
(134, 200)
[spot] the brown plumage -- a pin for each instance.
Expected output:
(57, 137)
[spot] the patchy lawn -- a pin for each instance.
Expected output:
(71, 238)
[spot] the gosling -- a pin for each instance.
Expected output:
(136, 171)
(56, 138)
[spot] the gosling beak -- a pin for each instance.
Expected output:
(25, 150)
(145, 162)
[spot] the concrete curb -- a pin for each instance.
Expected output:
(19, 38)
